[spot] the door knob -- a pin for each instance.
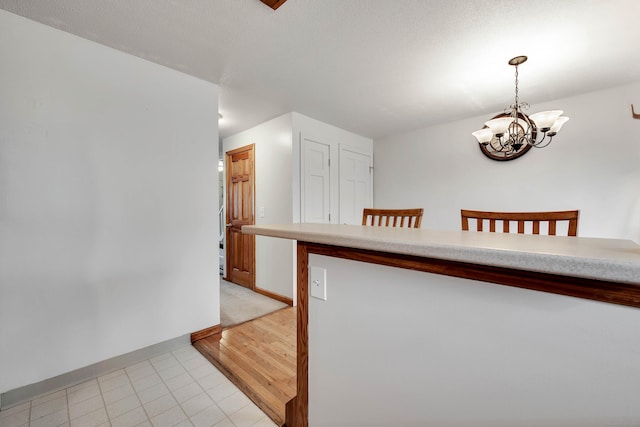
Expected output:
(229, 225)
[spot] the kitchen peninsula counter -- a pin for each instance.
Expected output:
(413, 327)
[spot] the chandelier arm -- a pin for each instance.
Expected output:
(499, 148)
(514, 139)
(507, 145)
(539, 144)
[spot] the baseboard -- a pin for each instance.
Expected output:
(275, 296)
(206, 333)
(28, 392)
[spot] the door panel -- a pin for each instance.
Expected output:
(355, 184)
(240, 211)
(315, 177)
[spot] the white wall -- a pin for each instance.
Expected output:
(108, 189)
(274, 257)
(394, 347)
(592, 165)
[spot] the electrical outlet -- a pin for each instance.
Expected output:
(318, 282)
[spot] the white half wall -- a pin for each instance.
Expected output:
(592, 165)
(274, 257)
(108, 194)
(395, 347)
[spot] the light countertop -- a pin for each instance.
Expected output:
(604, 259)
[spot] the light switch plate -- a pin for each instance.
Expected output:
(318, 282)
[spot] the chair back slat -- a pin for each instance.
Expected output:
(536, 226)
(465, 223)
(411, 218)
(535, 218)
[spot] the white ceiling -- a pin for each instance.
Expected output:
(374, 67)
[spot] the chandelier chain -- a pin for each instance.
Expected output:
(517, 98)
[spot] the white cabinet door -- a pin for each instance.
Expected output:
(355, 184)
(315, 182)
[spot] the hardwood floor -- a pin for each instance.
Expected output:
(259, 357)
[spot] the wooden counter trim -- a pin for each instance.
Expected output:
(598, 290)
(297, 410)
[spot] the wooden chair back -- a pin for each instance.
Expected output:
(551, 218)
(392, 217)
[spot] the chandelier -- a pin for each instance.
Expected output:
(512, 133)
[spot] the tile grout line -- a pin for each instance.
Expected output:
(66, 397)
(137, 397)
(106, 410)
(168, 388)
(204, 391)
(228, 416)
(104, 403)
(215, 403)
(195, 380)
(198, 383)
(136, 394)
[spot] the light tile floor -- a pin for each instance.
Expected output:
(180, 388)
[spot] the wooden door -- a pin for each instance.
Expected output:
(355, 184)
(241, 256)
(316, 189)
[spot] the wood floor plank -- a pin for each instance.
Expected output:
(259, 356)
(261, 376)
(269, 369)
(269, 353)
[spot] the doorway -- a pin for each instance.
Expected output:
(240, 201)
